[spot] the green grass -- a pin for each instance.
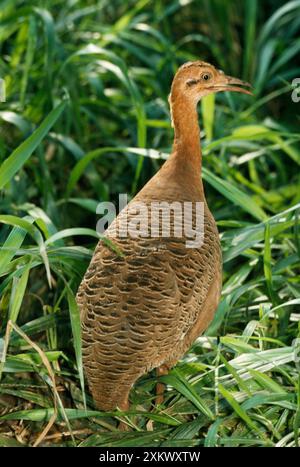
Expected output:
(86, 117)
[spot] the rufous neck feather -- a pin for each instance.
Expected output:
(184, 118)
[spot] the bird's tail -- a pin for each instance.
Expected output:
(109, 394)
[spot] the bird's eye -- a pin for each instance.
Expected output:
(206, 76)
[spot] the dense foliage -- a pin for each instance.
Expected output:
(86, 117)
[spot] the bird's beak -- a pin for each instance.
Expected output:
(228, 83)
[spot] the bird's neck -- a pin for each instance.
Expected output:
(186, 147)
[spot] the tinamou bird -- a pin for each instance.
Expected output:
(146, 300)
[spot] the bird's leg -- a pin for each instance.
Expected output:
(160, 387)
(124, 406)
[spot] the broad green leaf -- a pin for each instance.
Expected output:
(208, 108)
(184, 387)
(20, 155)
(76, 331)
(238, 409)
(17, 294)
(234, 194)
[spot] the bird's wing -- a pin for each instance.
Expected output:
(130, 305)
(141, 298)
(138, 308)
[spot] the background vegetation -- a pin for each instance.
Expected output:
(85, 118)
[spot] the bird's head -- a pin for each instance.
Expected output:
(194, 80)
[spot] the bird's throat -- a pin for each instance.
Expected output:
(186, 146)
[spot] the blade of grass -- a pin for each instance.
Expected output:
(20, 155)
(76, 331)
(239, 411)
